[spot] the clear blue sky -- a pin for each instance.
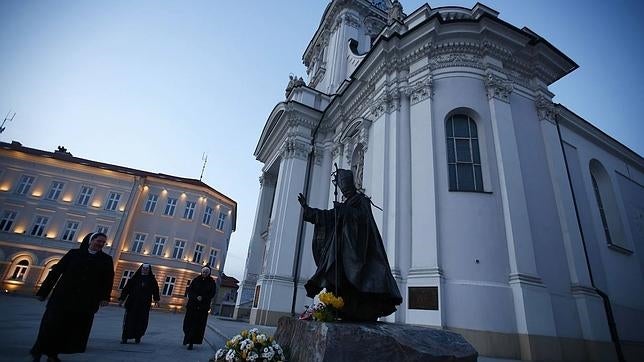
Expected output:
(154, 84)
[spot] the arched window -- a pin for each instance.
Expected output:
(20, 270)
(606, 204)
(463, 158)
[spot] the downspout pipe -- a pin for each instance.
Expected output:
(612, 325)
(300, 229)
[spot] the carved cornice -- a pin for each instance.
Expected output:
(266, 179)
(545, 108)
(498, 87)
(420, 90)
(294, 147)
(338, 148)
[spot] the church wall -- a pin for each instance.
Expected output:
(617, 273)
(471, 224)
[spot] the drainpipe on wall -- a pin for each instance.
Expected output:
(607, 306)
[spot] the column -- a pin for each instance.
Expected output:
(592, 316)
(532, 305)
(276, 281)
(254, 259)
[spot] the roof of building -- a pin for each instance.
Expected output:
(63, 155)
(229, 282)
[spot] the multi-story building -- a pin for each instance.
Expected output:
(224, 303)
(50, 200)
(505, 217)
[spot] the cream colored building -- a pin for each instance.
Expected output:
(50, 200)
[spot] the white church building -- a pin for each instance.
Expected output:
(506, 218)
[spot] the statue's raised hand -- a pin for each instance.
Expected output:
(301, 199)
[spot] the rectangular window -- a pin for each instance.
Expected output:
(126, 276)
(221, 220)
(70, 230)
(196, 258)
(179, 245)
(170, 206)
(39, 225)
(212, 259)
(151, 203)
(137, 245)
(112, 201)
(8, 217)
(190, 210)
(85, 194)
(159, 243)
(54, 190)
(102, 229)
(25, 184)
(168, 286)
(185, 293)
(207, 215)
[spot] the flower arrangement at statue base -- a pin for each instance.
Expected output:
(326, 307)
(250, 346)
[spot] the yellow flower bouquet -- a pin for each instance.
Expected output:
(325, 307)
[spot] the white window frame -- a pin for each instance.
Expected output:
(138, 242)
(207, 215)
(71, 227)
(212, 258)
(113, 201)
(221, 220)
(39, 225)
(168, 286)
(84, 195)
(197, 256)
(55, 189)
(20, 270)
(179, 247)
(8, 218)
(151, 203)
(102, 229)
(127, 274)
(170, 207)
(25, 184)
(189, 212)
(159, 245)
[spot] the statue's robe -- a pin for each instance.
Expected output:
(356, 267)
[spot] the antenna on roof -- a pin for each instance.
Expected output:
(204, 158)
(6, 118)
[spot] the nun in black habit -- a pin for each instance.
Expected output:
(81, 282)
(350, 256)
(202, 290)
(137, 295)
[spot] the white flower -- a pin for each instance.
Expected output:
(253, 331)
(236, 339)
(261, 338)
(246, 345)
(230, 356)
(252, 356)
(316, 299)
(220, 353)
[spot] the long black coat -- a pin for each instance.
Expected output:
(194, 323)
(358, 265)
(82, 280)
(138, 294)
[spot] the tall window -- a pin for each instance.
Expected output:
(602, 212)
(179, 245)
(221, 220)
(127, 274)
(55, 189)
(607, 206)
(212, 259)
(102, 229)
(207, 215)
(151, 203)
(170, 206)
(168, 286)
(70, 230)
(8, 217)
(25, 184)
(112, 201)
(463, 159)
(159, 243)
(190, 210)
(196, 258)
(85, 194)
(137, 245)
(20, 270)
(39, 225)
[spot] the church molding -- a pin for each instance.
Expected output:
(295, 147)
(498, 87)
(545, 108)
(520, 278)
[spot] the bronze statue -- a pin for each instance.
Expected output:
(350, 256)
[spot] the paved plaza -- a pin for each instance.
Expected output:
(20, 317)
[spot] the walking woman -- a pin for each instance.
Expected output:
(83, 281)
(202, 290)
(137, 295)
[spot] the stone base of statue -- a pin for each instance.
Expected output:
(310, 341)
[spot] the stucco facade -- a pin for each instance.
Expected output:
(50, 200)
(495, 230)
